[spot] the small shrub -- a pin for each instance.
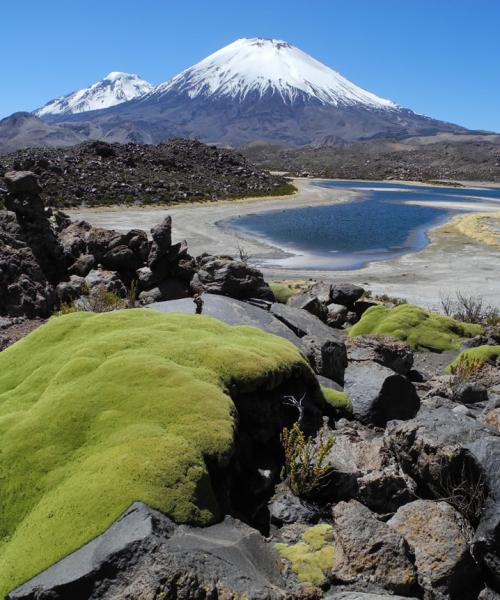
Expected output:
(469, 309)
(306, 466)
(281, 292)
(243, 255)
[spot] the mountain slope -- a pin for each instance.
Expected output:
(114, 89)
(23, 129)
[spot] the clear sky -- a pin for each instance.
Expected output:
(437, 57)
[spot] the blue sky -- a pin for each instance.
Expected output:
(437, 57)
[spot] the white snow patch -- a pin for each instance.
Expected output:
(267, 65)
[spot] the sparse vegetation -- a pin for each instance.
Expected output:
(470, 309)
(306, 466)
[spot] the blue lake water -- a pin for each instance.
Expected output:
(379, 224)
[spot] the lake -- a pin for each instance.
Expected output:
(385, 220)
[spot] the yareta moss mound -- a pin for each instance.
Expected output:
(98, 411)
(475, 356)
(421, 329)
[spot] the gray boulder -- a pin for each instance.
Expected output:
(309, 302)
(367, 550)
(144, 552)
(363, 469)
(285, 508)
(324, 348)
(387, 351)
(82, 265)
(431, 449)
(485, 452)
(378, 394)
(162, 241)
(469, 392)
(108, 281)
(228, 277)
(440, 537)
(336, 314)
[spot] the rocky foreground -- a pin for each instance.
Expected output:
(98, 173)
(336, 458)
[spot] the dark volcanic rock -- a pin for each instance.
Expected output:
(378, 394)
(173, 171)
(346, 293)
(144, 552)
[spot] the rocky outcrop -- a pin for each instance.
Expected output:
(228, 277)
(144, 553)
(387, 351)
(174, 171)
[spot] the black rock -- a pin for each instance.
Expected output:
(378, 394)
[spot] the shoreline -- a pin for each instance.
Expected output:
(451, 261)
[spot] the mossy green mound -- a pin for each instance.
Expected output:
(313, 557)
(421, 329)
(338, 400)
(100, 410)
(475, 356)
(282, 292)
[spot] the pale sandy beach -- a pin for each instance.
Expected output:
(452, 261)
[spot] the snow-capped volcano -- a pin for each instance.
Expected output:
(114, 89)
(259, 65)
(255, 89)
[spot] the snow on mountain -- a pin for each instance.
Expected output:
(263, 65)
(114, 89)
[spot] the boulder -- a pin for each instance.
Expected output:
(22, 183)
(82, 265)
(68, 291)
(324, 347)
(73, 239)
(431, 448)
(485, 452)
(285, 508)
(24, 288)
(367, 550)
(108, 281)
(228, 277)
(336, 314)
(144, 551)
(162, 240)
(232, 312)
(378, 394)
(310, 303)
(346, 293)
(168, 289)
(469, 392)
(385, 350)
(439, 537)
(363, 469)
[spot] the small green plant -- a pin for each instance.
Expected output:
(306, 466)
(339, 401)
(312, 558)
(471, 361)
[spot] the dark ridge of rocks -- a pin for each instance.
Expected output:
(458, 157)
(98, 173)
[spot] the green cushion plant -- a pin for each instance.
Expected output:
(421, 329)
(476, 357)
(100, 410)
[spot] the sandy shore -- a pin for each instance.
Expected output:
(452, 261)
